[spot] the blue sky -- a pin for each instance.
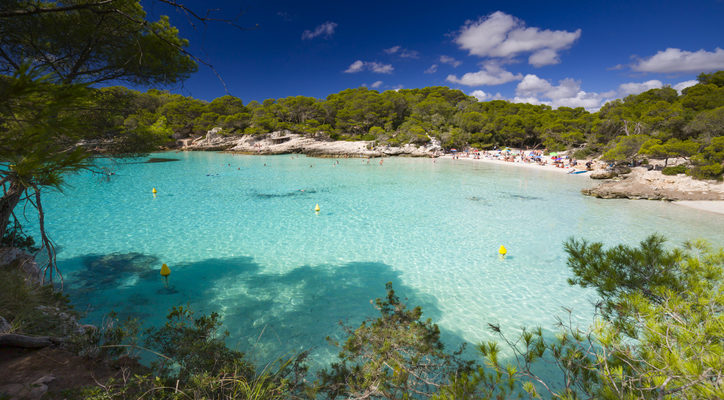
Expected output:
(571, 53)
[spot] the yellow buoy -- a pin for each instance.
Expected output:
(165, 272)
(153, 191)
(502, 250)
(316, 208)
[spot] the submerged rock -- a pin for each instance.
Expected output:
(111, 269)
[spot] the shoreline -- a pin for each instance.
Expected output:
(639, 184)
(710, 206)
(547, 167)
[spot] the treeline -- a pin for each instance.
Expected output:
(659, 123)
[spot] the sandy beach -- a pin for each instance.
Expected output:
(548, 167)
(712, 206)
(715, 206)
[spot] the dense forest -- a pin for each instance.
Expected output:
(659, 123)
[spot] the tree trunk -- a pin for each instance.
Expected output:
(10, 199)
(27, 342)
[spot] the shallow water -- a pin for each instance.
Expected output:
(243, 239)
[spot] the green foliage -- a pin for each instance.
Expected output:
(625, 148)
(193, 346)
(623, 270)
(679, 169)
(715, 78)
(15, 237)
(660, 336)
(33, 309)
(392, 357)
(195, 363)
(108, 40)
(709, 163)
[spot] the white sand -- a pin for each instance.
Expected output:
(548, 167)
(715, 206)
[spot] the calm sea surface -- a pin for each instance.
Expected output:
(241, 238)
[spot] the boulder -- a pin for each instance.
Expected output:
(603, 174)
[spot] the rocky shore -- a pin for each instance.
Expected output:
(639, 183)
(653, 185)
(285, 142)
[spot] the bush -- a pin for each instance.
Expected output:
(679, 169)
(582, 153)
(33, 309)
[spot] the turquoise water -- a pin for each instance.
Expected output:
(243, 239)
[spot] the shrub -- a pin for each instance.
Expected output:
(679, 169)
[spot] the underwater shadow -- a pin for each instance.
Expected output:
(268, 315)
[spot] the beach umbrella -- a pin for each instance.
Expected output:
(453, 150)
(553, 154)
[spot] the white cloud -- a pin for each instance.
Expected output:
(677, 60)
(380, 68)
(567, 93)
(432, 69)
(376, 84)
(480, 95)
(505, 36)
(409, 54)
(392, 50)
(403, 53)
(325, 30)
(451, 61)
(683, 85)
(626, 89)
(356, 66)
(359, 66)
(589, 101)
(543, 57)
(491, 74)
(532, 85)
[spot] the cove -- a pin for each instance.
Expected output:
(241, 238)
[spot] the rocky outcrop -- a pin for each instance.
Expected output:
(14, 258)
(602, 174)
(286, 142)
(653, 185)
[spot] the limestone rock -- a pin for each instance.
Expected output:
(287, 142)
(653, 185)
(602, 174)
(214, 133)
(11, 257)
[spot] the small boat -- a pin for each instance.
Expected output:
(577, 172)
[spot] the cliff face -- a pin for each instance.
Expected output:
(653, 185)
(285, 142)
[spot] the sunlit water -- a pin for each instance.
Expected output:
(241, 237)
